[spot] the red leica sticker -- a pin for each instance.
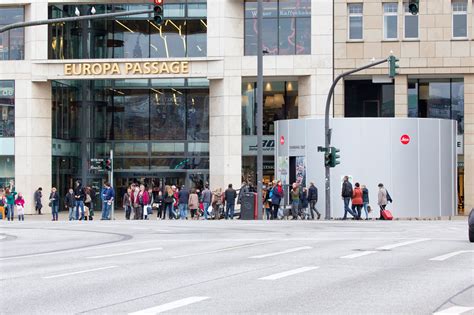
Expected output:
(405, 139)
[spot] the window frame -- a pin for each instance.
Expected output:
(406, 13)
(453, 13)
(8, 33)
(388, 14)
(349, 15)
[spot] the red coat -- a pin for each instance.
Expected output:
(357, 196)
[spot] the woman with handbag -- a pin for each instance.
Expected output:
(168, 202)
(54, 203)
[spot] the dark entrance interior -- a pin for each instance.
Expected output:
(366, 99)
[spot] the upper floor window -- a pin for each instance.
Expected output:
(355, 21)
(411, 23)
(390, 20)
(459, 18)
(7, 109)
(12, 42)
(286, 28)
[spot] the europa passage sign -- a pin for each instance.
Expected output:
(127, 68)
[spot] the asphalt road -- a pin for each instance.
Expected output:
(220, 267)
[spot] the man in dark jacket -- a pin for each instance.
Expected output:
(229, 196)
(183, 199)
(38, 195)
(313, 200)
(206, 197)
(79, 196)
(346, 195)
(70, 203)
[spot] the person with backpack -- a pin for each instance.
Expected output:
(313, 200)
(357, 201)
(346, 195)
(365, 200)
(275, 195)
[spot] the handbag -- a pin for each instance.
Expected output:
(88, 199)
(150, 210)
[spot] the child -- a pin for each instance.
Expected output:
(20, 206)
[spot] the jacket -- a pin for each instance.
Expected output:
(277, 194)
(108, 194)
(230, 194)
(193, 201)
(206, 196)
(312, 193)
(143, 198)
(37, 197)
(357, 196)
(20, 201)
(365, 195)
(346, 189)
(303, 199)
(168, 199)
(295, 195)
(382, 197)
(54, 199)
(11, 198)
(126, 200)
(79, 193)
(183, 196)
(70, 200)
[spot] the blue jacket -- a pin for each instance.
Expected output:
(276, 197)
(107, 194)
(183, 196)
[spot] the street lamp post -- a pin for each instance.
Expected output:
(259, 108)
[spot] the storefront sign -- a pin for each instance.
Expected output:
(249, 145)
(126, 68)
(405, 139)
(282, 140)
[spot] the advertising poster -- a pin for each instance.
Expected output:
(283, 168)
(300, 171)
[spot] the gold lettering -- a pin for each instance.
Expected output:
(174, 67)
(128, 67)
(76, 69)
(96, 68)
(164, 67)
(115, 68)
(137, 68)
(184, 67)
(154, 68)
(146, 68)
(105, 68)
(86, 69)
(67, 69)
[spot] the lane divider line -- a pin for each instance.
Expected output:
(222, 250)
(288, 273)
(449, 255)
(78, 272)
(170, 306)
(386, 247)
(455, 310)
(126, 253)
(360, 254)
(292, 250)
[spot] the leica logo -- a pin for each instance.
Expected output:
(405, 139)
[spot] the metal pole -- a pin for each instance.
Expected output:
(259, 108)
(112, 182)
(327, 130)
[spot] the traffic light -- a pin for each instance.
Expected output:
(413, 6)
(158, 11)
(327, 159)
(108, 164)
(334, 157)
(393, 66)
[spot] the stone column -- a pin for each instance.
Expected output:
(401, 96)
(33, 140)
(468, 142)
(36, 37)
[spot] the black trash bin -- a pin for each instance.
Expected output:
(248, 206)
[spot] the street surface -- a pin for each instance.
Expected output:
(223, 267)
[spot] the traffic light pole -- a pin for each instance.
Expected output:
(111, 181)
(327, 130)
(259, 108)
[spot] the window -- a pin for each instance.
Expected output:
(286, 27)
(356, 21)
(390, 20)
(411, 24)
(12, 43)
(459, 18)
(7, 109)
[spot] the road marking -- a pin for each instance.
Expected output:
(282, 252)
(455, 310)
(171, 305)
(126, 253)
(403, 244)
(221, 250)
(288, 273)
(360, 254)
(447, 256)
(77, 272)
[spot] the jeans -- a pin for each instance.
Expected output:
(229, 211)
(128, 210)
(170, 210)
(10, 212)
(79, 203)
(21, 217)
(276, 207)
(312, 207)
(71, 213)
(206, 206)
(105, 210)
(183, 211)
(347, 209)
(357, 209)
(366, 204)
(294, 209)
(54, 212)
(268, 212)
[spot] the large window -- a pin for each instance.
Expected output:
(355, 21)
(12, 43)
(410, 23)
(390, 20)
(286, 27)
(366, 99)
(182, 34)
(459, 18)
(7, 108)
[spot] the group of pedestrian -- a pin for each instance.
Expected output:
(9, 201)
(303, 202)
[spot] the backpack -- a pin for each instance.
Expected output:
(271, 194)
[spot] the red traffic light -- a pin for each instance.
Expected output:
(158, 2)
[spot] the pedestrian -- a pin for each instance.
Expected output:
(108, 195)
(10, 194)
(70, 202)
(3, 203)
(217, 203)
(304, 204)
(244, 188)
(168, 201)
(37, 197)
(346, 195)
(79, 197)
(295, 201)
(54, 203)
(382, 199)
(176, 201)
(365, 200)
(20, 207)
(313, 200)
(161, 213)
(135, 202)
(148, 201)
(229, 197)
(267, 202)
(276, 195)
(127, 203)
(206, 198)
(183, 199)
(357, 201)
(87, 203)
(193, 203)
